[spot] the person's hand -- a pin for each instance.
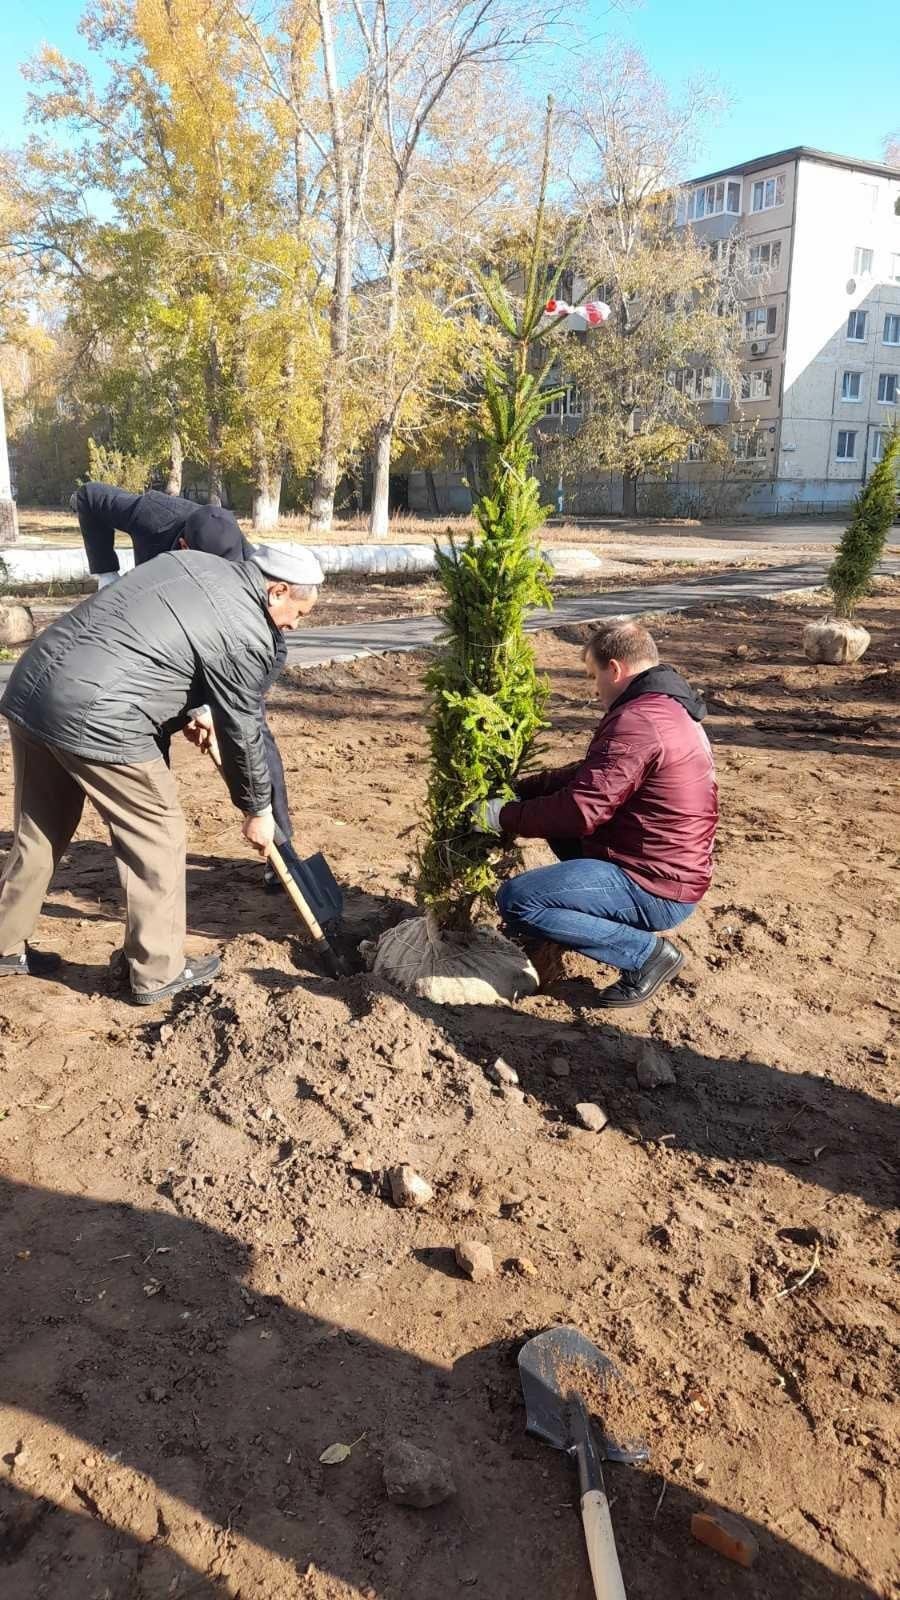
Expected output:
(485, 816)
(199, 730)
(260, 831)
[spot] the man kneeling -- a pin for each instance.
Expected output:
(633, 825)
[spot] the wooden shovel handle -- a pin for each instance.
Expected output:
(290, 888)
(286, 879)
(601, 1546)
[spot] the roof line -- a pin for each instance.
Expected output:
(802, 152)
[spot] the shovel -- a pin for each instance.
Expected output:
(317, 898)
(553, 1367)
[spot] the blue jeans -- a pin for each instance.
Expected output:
(590, 906)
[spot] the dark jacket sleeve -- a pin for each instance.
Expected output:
(236, 703)
(615, 766)
(101, 510)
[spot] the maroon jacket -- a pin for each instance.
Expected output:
(644, 796)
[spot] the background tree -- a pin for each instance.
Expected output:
(200, 273)
(672, 340)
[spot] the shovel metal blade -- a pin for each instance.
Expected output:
(550, 1366)
(319, 888)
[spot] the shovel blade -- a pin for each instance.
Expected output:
(320, 889)
(555, 1367)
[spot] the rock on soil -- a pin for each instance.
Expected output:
(522, 1267)
(501, 1072)
(416, 1477)
(653, 1066)
(726, 1534)
(408, 1187)
(591, 1116)
(559, 1067)
(475, 1260)
(16, 625)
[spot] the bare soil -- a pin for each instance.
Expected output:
(204, 1284)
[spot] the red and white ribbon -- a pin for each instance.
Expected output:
(595, 312)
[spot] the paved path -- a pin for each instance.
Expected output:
(799, 531)
(316, 647)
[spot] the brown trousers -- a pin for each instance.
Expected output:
(139, 805)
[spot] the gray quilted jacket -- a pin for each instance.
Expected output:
(113, 679)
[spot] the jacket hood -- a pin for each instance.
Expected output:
(663, 680)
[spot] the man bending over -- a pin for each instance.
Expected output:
(633, 825)
(156, 522)
(92, 705)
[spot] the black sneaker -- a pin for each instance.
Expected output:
(195, 974)
(639, 985)
(30, 964)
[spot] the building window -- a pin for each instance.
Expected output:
(721, 252)
(851, 387)
(891, 333)
(757, 385)
(749, 446)
(701, 383)
(895, 269)
(878, 443)
(856, 325)
(764, 258)
(846, 445)
(767, 193)
(760, 321)
(862, 261)
(712, 199)
(568, 404)
(887, 388)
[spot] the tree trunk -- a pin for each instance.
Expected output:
(174, 476)
(379, 516)
(266, 483)
(431, 490)
(321, 508)
(629, 496)
(9, 522)
(321, 511)
(267, 504)
(214, 425)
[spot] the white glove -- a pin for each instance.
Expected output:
(104, 578)
(486, 815)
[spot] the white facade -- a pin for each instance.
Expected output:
(822, 345)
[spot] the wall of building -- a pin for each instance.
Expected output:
(837, 210)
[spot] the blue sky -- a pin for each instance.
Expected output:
(798, 72)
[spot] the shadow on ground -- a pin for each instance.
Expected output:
(222, 1401)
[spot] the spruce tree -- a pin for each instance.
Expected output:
(863, 542)
(487, 700)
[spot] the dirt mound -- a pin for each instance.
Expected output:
(291, 1102)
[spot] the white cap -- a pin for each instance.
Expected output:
(287, 563)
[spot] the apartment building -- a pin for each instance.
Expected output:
(819, 237)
